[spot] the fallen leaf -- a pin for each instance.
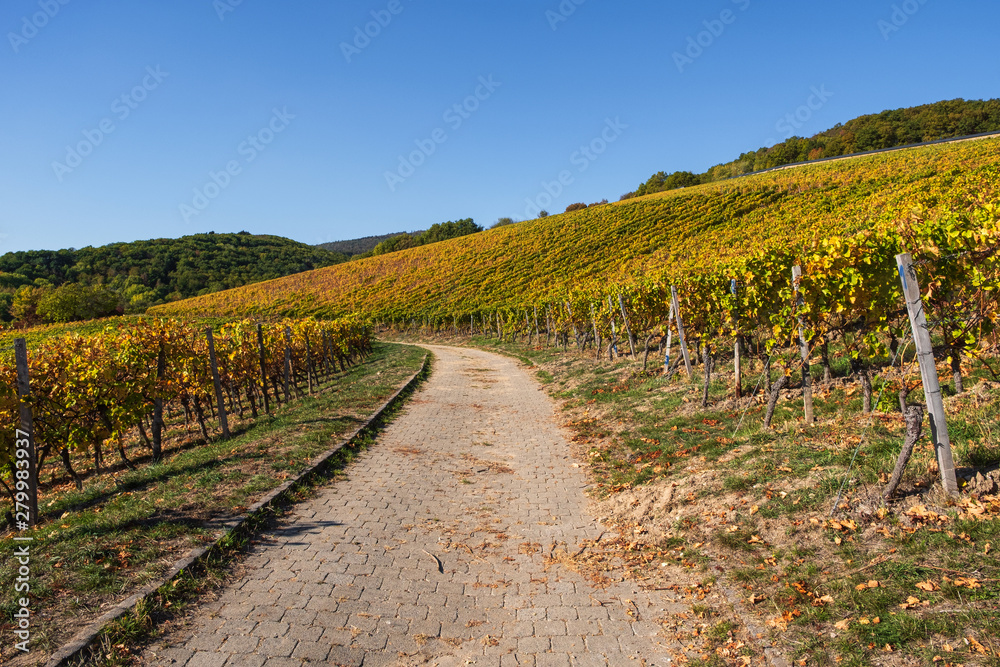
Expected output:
(976, 646)
(754, 509)
(927, 586)
(843, 625)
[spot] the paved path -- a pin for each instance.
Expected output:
(438, 549)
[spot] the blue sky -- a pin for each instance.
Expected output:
(131, 120)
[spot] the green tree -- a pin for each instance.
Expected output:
(24, 305)
(401, 242)
(73, 302)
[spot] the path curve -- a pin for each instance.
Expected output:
(435, 550)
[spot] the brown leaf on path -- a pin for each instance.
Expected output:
(975, 646)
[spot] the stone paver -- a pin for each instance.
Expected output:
(435, 550)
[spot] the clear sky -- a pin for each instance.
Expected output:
(126, 120)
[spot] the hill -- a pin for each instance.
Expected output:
(683, 232)
(359, 246)
(888, 129)
(133, 276)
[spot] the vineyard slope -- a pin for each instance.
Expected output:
(691, 230)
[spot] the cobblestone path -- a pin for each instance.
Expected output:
(437, 549)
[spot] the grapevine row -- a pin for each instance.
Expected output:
(90, 392)
(850, 291)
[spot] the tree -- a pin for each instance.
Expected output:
(73, 302)
(401, 242)
(448, 230)
(24, 305)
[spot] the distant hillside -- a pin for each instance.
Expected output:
(889, 129)
(370, 246)
(438, 232)
(684, 232)
(360, 246)
(129, 277)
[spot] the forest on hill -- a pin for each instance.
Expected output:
(75, 284)
(888, 129)
(438, 232)
(359, 246)
(69, 285)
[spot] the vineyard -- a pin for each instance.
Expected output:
(717, 260)
(690, 234)
(90, 392)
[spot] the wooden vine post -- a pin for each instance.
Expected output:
(807, 396)
(928, 371)
(597, 336)
(548, 323)
(614, 331)
(538, 337)
(309, 365)
(670, 340)
(576, 334)
(219, 399)
(263, 369)
(628, 329)
(326, 356)
(737, 360)
(288, 363)
(680, 331)
(157, 425)
(25, 435)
